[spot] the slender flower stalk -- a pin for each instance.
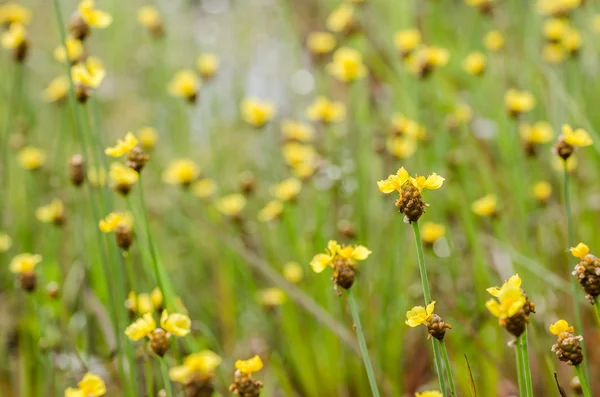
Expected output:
(597, 307)
(447, 366)
(585, 387)
(520, 372)
(165, 375)
(526, 365)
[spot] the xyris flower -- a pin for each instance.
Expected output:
(181, 172)
(296, 131)
(400, 146)
(74, 51)
(207, 65)
(31, 158)
(293, 272)
(5, 242)
(326, 111)
(86, 17)
(149, 17)
(231, 205)
(557, 8)
(147, 136)
(511, 306)
(23, 265)
(57, 90)
(587, 271)
(427, 59)
(185, 84)
(570, 139)
(170, 324)
(287, 190)
(204, 188)
(86, 76)
(343, 259)
(347, 65)
(518, 102)
(432, 232)
(14, 13)
(475, 63)
(420, 315)
(89, 386)
(52, 213)
(534, 135)
(342, 20)
(567, 347)
(197, 373)
(15, 39)
(486, 206)
(542, 191)
(494, 40)
(123, 178)
(407, 41)
(123, 146)
(320, 43)
(271, 211)
(257, 112)
(243, 382)
(122, 224)
(271, 297)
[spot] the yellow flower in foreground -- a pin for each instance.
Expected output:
(14, 36)
(232, 205)
(204, 188)
(271, 297)
(542, 190)
(494, 40)
(123, 177)
(293, 272)
(271, 211)
(176, 324)
(429, 393)
(321, 43)
(123, 146)
(24, 263)
(407, 40)
(395, 182)
(149, 17)
(419, 315)
(296, 131)
(90, 73)
(5, 242)
(347, 65)
(341, 19)
(578, 137)
(509, 299)
(256, 112)
(51, 213)
(31, 158)
(561, 326)
(475, 63)
(540, 132)
(580, 251)
(207, 65)
(148, 137)
(326, 111)
(181, 172)
(74, 50)
(287, 190)
(141, 327)
(90, 386)
(57, 90)
(185, 84)
(248, 367)
(92, 16)
(114, 220)
(518, 102)
(197, 366)
(14, 12)
(432, 232)
(485, 206)
(334, 250)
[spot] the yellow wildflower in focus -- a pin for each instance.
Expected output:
(292, 272)
(123, 146)
(509, 299)
(256, 112)
(542, 191)
(74, 51)
(406, 41)
(207, 65)
(248, 367)
(395, 182)
(31, 158)
(578, 137)
(232, 205)
(494, 40)
(475, 63)
(123, 177)
(485, 206)
(271, 211)
(90, 386)
(5, 242)
(325, 111)
(321, 43)
(14, 36)
(114, 220)
(141, 327)
(287, 190)
(197, 366)
(540, 132)
(401, 147)
(92, 16)
(51, 213)
(296, 131)
(347, 65)
(90, 73)
(57, 90)
(561, 326)
(580, 251)
(429, 393)
(185, 84)
(175, 323)
(553, 53)
(518, 102)
(341, 19)
(431, 232)
(419, 315)
(181, 172)
(149, 17)
(24, 263)
(204, 188)
(97, 176)
(271, 297)
(148, 137)
(14, 13)
(334, 250)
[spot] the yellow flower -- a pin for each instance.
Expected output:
(347, 65)
(204, 188)
(90, 386)
(201, 365)
(97, 176)
(321, 43)
(31, 158)
(14, 36)
(407, 40)
(494, 40)
(122, 175)
(557, 7)
(295, 153)
(24, 263)
(92, 16)
(350, 253)
(401, 147)
(14, 12)
(256, 112)
(395, 182)
(114, 219)
(540, 132)
(432, 232)
(53, 212)
(90, 73)
(553, 53)
(419, 315)
(181, 172)
(580, 251)
(427, 58)
(542, 190)
(402, 125)
(144, 303)
(293, 273)
(514, 280)
(326, 111)
(141, 327)
(296, 131)
(554, 28)
(185, 83)
(271, 297)
(207, 65)
(571, 40)
(485, 206)
(287, 190)
(519, 101)
(57, 89)
(509, 299)
(123, 146)
(157, 298)
(74, 50)
(271, 211)
(475, 63)
(578, 137)
(231, 205)
(429, 393)
(5, 242)
(148, 16)
(247, 367)
(561, 326)
(341, 18)
(175, 323)
(147, 137)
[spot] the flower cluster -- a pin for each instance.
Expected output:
(342, 259)
(510, 306)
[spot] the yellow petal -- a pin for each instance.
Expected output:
(176, 324)
(249, 366)
(71, 392)
(559, 327)
(92, 385)
(360, 253)
(515, 280)
(580, 251)
(494, 307)
(434, 181)
(320, 262)
(430, 309)
(180, 374)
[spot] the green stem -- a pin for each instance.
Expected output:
(526, 366)
(447, 365)
(131, 277)
(520, 372)
(597, 307)
(427, 295)
(363, 344)
(149, 378)
(583, 381)
(165, 375)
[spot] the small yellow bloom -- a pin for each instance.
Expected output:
(293, 273)
(14, 13)
(232, 205)
(14, 36)
(271, 297)
(542, 190)
(432, 232)
(74, 51)
(326, 111)
(540, 132)
(485, 206)
(425, 59)
(287, 190)
(578, 137)
(554, 28)
(141, 328)
(296, 131)
(144, 304)
(256, 112)
(350, 253)
(185, 84)
(395, 182)
(149, 16)
(156, 297)
(247, 367)
(271, 211)
(514, 280)
(407, 40)
(295, 153)
(571, 40)
(518, 102)
(123, 146)
(24, 263)
(181, 172)
(92, 16)
(321, 43)
(147, 137)
(475, 63)
(341, 19)
(196, 366)
(114, 220)
(5, 242)
(557, 8)
(561, 326)
(121, 175)
(401, 147)
(494, 40)
(419, 315)
(31, 158)
(204, 188)
(580, 251)
(347, 65)
(207, 65)
(553, 53)
(90, 73)
(176, 324)
(429, 393)
(509, 299)
(97, 176)
(57, 90)
(51, 213)
(90, 386)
